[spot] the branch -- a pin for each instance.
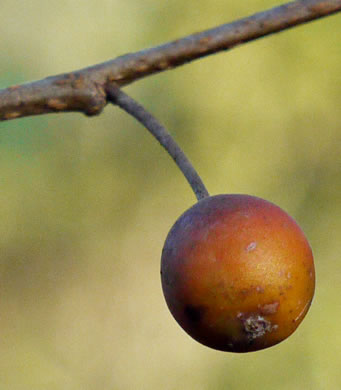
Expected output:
(85, 90)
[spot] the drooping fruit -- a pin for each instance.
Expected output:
(237, 273)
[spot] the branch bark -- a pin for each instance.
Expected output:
(85, 90)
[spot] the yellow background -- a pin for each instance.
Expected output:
(86, 203)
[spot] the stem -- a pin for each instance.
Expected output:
(128, 104)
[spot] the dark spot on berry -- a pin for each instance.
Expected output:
(193, 313)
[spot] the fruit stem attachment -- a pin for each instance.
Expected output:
(116, 96)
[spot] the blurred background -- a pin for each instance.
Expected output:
(86, 203)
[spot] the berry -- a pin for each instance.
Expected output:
(237, 273)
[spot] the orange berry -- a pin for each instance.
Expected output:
(237, 273)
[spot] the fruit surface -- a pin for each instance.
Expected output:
(237, 273)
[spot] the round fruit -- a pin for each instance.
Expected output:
(237, 273)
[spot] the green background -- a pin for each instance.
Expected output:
(86, 203)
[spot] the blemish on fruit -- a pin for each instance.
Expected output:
(270, 308)
(193, 313)
(252, 246)
(256, 326)
(302, 312)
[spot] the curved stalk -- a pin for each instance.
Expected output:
(128, 104)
